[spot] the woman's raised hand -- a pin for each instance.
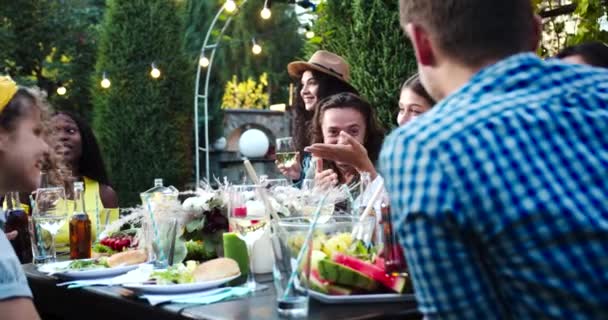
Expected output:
(348, 150)
(292, 172)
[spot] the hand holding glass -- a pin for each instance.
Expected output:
(286, 152)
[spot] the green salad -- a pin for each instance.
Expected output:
(176, 274)
(87, 264)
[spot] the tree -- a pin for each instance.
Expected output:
(367, 34)
(570, 22)
(50, 44)
(278, 36)
(143, 124)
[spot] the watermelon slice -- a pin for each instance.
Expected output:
(336, 290)
(379, 262)
(343, 275)
(395, 283)
(317, 283)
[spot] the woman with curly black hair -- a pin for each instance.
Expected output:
(76, 144)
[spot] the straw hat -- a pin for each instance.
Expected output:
(322, 61)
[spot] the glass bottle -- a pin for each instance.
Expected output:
(394, 260)
(17, 220)
(158, 193)
(80, 226)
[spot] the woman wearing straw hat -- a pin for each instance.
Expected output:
(323, 75)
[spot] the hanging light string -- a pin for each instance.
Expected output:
(155, 71)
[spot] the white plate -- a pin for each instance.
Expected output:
(178, 288)
(361, 298)
(54, 268)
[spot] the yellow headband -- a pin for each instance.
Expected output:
(8, 88)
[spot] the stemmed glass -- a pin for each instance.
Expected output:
(50, 213)
(248, 219)
(286, 152)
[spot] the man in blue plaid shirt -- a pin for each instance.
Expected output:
(500, 192)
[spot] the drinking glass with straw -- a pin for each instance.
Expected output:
(292, 247)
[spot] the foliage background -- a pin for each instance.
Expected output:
(143, 125)
(367, 34)
(50, 43)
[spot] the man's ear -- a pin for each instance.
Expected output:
(423, 46)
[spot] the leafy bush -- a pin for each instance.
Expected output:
(143, 124)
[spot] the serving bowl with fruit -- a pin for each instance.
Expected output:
(343, 268)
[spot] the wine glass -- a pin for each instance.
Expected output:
(50, 213)
(248, 220)
(286, 152)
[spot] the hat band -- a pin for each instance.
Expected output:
(328, 69)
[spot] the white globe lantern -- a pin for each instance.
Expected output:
(253, 143)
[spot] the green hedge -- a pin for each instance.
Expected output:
(368, 35)
(144, 125)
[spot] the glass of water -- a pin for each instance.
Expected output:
(49, 214)
(290, 275)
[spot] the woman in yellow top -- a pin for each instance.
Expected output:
(76, 144)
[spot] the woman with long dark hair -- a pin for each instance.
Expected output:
(323, 75)
(348, 123)
(76, 144)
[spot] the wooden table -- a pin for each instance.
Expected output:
(108, 303)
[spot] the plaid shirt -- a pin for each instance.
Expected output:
(500, 194)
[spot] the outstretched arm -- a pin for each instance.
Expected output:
(350, 151)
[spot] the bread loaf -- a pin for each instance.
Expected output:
(127, 258)
(215, 269)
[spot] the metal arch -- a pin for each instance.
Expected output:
(205, 95)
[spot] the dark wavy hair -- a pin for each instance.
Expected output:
(374, 133)
(328, 85)
(91, 162)
(594, 53)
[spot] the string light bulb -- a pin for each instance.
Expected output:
(105, 82)
(155, 72)
(266, 13)
(203, 61)
(61, 90)
(310, 34)
(230, 5)
(256, 49)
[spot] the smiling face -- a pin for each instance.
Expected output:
(22, 152)
(68, 140)
(336, 120)
(411, 105)
(310, 90)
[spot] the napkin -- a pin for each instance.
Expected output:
(139, 275)
(205, 297)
